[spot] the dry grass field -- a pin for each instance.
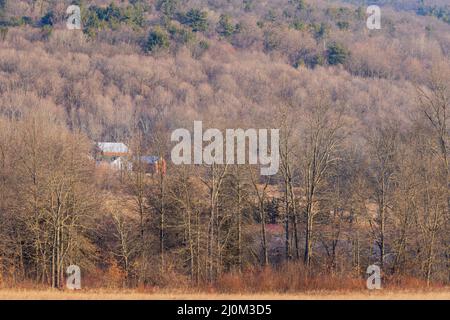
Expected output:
(13, 294)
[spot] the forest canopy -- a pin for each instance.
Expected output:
(371, 105)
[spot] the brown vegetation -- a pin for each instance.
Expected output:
(364, 175)
(127, 294)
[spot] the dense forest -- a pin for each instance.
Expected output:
(363, 118)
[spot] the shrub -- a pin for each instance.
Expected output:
(248, 5)
(134, 16)
(48, 19)
(360, 14)
(271, 16)
(97, 18)
(225, 28)
(200, 49)
(157, 39)
(17, 21)
(298, 25)
(299, 4)
(195, 19)
(46, 32)
(271, 40)
(292, 277)
(3, 33)
(441, 13)
(167, 7)
(320, 31)
(2, 7)
(343, 25)
(180, 35)
(336, 54)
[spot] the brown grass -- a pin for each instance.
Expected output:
(294, 278)
(15, 294)
(288, 281)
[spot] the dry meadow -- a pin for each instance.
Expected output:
(12, 294)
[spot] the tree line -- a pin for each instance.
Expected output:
(337, 205)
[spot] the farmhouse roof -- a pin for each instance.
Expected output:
(113, 147)
(150, 159)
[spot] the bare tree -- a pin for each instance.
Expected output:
(322, 137)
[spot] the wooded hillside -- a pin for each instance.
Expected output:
(364, 120)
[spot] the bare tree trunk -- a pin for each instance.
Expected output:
(261, 198)
(162, 222)
(239, 223)
(287, 250)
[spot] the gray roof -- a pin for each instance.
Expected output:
(113, 147)
(150, 159)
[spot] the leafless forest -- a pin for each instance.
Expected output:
(363, 118)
